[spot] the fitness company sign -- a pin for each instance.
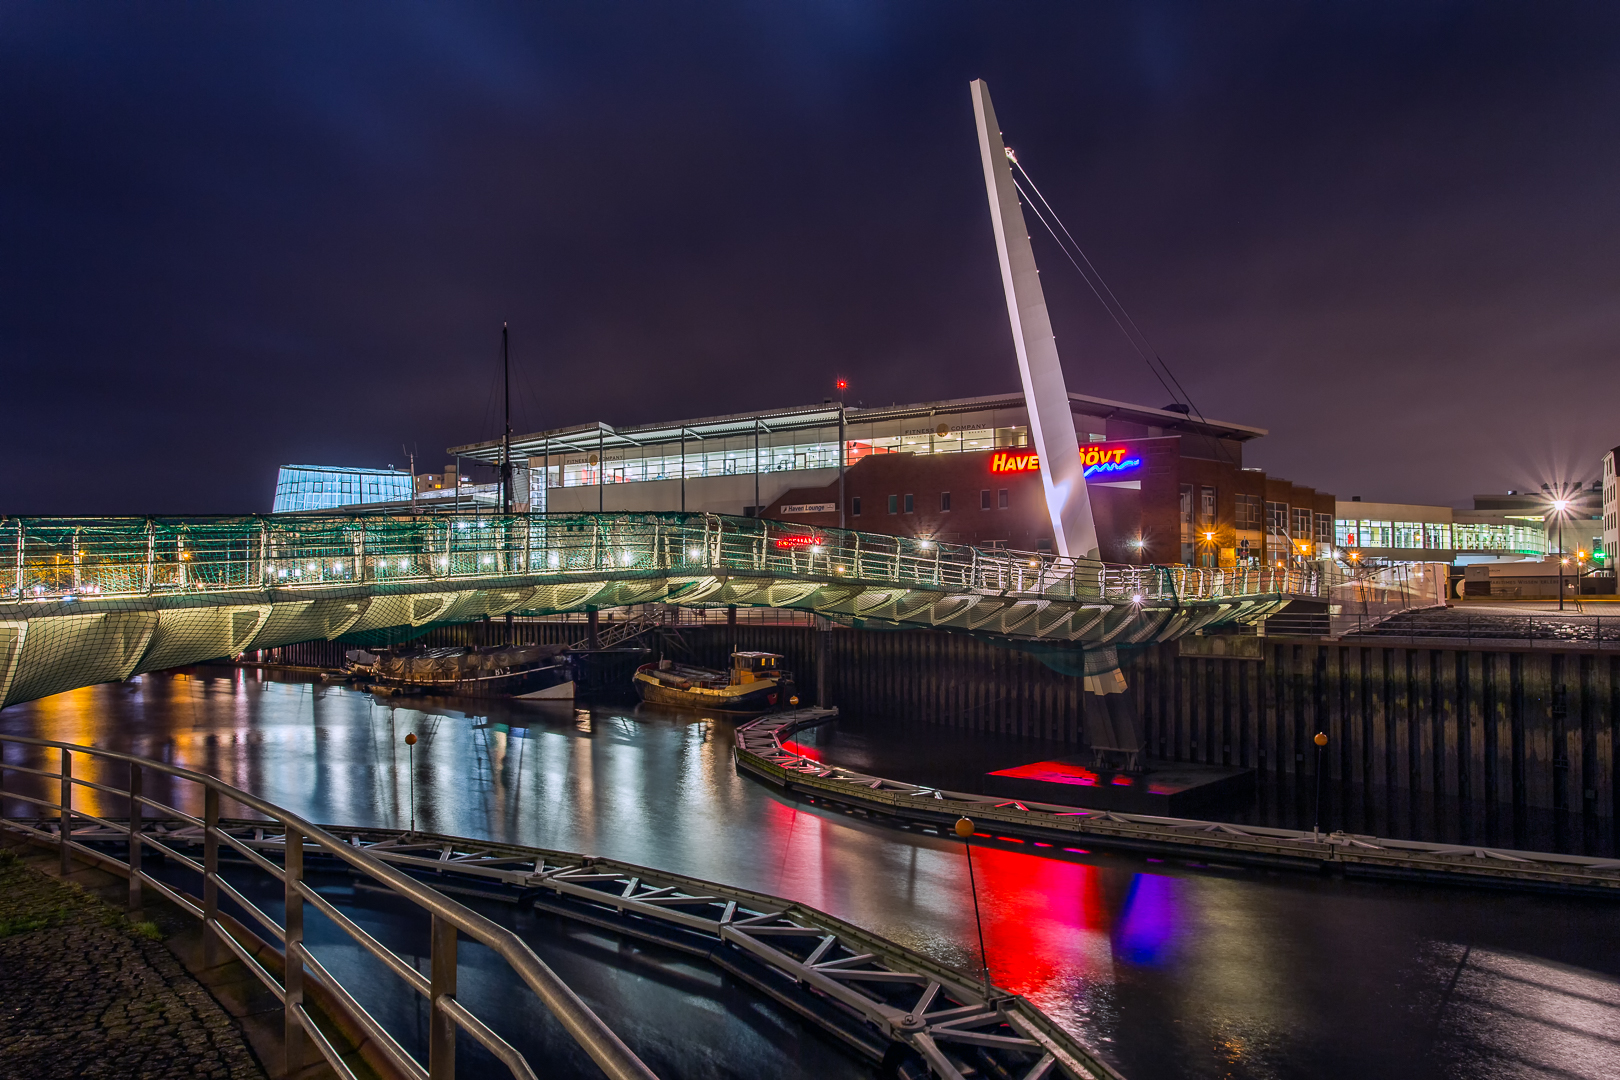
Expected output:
(1099, 459)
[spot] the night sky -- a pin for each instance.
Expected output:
(234, 236)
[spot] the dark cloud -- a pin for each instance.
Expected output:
(233, 236)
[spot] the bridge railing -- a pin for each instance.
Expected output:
(84, 558)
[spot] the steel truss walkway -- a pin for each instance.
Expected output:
(91, 600)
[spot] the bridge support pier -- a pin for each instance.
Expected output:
(1112, 727)
(593, 632)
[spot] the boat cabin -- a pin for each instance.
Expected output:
(747, 667)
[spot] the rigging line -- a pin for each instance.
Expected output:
(1111, 302)
(1042, 196)
(1087, 279)
(1184, 396)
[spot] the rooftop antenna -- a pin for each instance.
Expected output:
(1051, 420)
(506, 440)
(410, 455)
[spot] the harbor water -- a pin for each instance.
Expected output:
(1169, 969)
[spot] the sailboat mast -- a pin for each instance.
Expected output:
(506, 439)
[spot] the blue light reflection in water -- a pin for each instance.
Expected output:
(1145, 932)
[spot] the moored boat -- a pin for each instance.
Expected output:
(522, 671)
(756, 683)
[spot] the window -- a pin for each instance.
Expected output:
(1324, 529)
(1249, 512)
(910, 505)
(944, 502)
(984, 499)
(1276, 519)
(1206, 508)
(855, 507)
(1001, 498)
(1300, 527)
(894, 504)
(1186, 513)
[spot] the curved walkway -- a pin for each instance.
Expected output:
(759, 751)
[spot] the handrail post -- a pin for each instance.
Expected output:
(442, 984)
(135, 903)
(210, 895)
(292, 971)
(66, 808)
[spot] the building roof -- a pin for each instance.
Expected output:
(582, 438)
(348, 469)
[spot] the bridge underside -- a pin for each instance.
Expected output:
(47, 648)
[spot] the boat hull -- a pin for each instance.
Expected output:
(551, 682)
(769, 695)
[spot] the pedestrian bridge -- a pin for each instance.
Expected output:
(92, 600)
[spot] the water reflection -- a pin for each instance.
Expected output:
(1173, 972)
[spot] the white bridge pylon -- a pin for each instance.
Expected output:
(1051, 423)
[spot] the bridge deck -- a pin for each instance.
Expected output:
(87, 600)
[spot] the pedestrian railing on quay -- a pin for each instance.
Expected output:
(868, 993)
(759, 750)
(1550, 630)
(299, 838)
(82, 558)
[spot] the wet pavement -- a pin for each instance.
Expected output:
(1170, 969)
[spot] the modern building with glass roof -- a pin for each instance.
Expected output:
(327, 487)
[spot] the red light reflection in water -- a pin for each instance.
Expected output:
(1046, 920)
(1052, 772)
(1043, 919)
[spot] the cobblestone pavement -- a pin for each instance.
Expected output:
(85, 993)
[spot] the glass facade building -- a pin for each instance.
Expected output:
(325, 487)
(1391, 537)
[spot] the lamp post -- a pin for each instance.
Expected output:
(1321, 741)
(964, 829)
(1560, 509)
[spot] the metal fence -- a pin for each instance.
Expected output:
(1550, 630)
(80, 558)
(449, 919)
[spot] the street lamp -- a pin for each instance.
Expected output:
(1560, 511)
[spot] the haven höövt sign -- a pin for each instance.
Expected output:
(1097, 459)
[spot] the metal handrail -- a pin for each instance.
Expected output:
(449, 918)
(87, 559)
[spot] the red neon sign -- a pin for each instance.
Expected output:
(1096, 458)
(797, 540)
(1001, 462)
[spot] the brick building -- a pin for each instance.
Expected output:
(1165, 487)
